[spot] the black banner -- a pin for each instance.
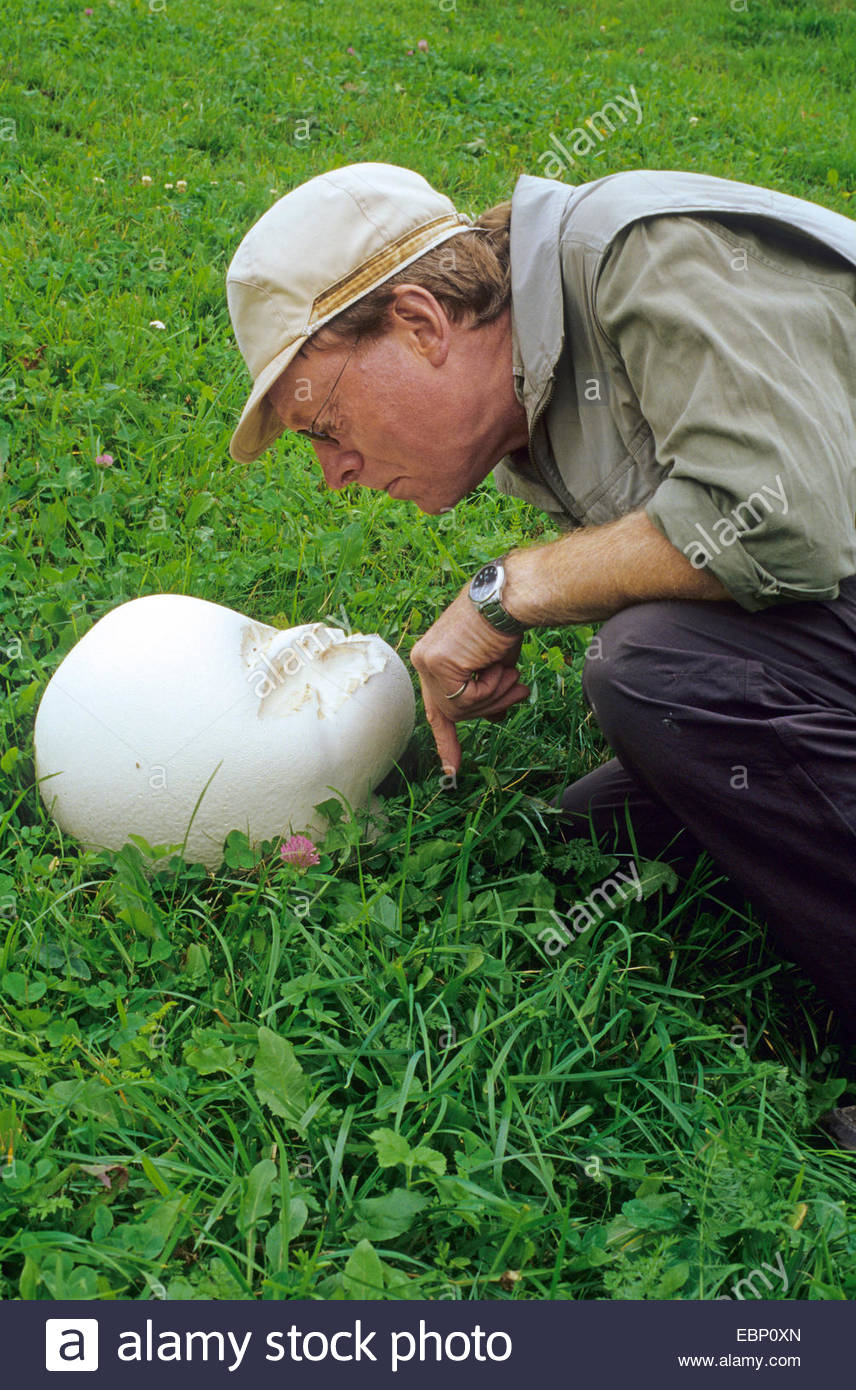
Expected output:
(350, 1344)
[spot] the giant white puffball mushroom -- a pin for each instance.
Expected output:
(170, 698)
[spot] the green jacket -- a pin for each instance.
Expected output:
(687, 344)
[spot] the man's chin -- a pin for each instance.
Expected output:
(436, 508)
(441, 508)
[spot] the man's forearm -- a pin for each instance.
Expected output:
(595, 571)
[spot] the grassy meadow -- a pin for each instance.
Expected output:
(365, 1079)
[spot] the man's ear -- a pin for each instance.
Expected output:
(421, 318)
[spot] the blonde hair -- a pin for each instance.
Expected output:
(469, 275)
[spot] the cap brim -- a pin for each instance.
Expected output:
(259, 424)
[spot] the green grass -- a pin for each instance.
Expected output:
(368, 1079)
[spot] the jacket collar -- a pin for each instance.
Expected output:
(537, 299)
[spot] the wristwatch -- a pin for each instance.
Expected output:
(486, 593)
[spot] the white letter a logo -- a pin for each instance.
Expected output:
(71, 1345)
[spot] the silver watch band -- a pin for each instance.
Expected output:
(501, 619)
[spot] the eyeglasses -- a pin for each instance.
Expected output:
(319, 436)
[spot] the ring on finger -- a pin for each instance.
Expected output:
(455, 693)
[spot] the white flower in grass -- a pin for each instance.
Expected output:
(147, 178)
(181, 186)
(156, 323)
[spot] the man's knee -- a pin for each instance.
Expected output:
(621, 658)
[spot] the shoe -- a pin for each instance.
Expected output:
(841, 1124)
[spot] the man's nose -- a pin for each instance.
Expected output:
(339, 466)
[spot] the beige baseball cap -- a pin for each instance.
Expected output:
(315, 251)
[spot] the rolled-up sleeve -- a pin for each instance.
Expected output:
(744, 367)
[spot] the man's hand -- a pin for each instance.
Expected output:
(461, 642)
(580, 578)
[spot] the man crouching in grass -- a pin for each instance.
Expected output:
(665, 362)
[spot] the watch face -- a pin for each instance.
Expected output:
(485, 583)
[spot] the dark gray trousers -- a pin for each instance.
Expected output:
(736, 733)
